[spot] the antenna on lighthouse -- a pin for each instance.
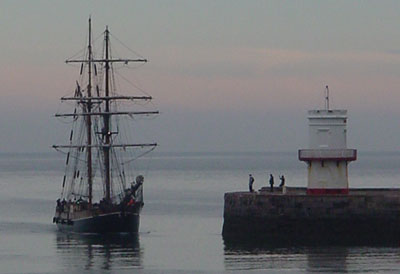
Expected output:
(327, 98)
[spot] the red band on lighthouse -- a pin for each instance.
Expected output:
(327, 191)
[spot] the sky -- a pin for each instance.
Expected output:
(226, 75)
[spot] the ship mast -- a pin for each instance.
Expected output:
(107, 146)
(88, 118)
(106, 118)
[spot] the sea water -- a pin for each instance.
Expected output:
(181, 221)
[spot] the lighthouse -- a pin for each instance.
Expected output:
(327, 157)
(330, 212)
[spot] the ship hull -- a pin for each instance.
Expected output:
(115, 222)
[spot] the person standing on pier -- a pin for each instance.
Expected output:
(282, 181)
(271, 182)
(251, 181)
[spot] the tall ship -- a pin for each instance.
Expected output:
(102, 192)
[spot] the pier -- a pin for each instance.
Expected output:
(365, 216)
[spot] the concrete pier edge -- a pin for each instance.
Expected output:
(364, 215)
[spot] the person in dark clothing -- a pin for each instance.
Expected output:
(58, 208)
(282, 181)
(271, 182)
(63, 205)
(251, 181)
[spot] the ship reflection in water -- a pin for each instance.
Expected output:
(246, 254)
(93, 251)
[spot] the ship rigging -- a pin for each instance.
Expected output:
(98, 158)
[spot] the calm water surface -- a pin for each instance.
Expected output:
(181, 222)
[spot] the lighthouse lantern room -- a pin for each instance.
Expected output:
(327, 156)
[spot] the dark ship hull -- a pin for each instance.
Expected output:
(82, 217)
(116, 222)
(110, 219)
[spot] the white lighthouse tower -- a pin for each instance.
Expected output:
(327, 157)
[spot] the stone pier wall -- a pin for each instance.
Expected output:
(363, 213)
